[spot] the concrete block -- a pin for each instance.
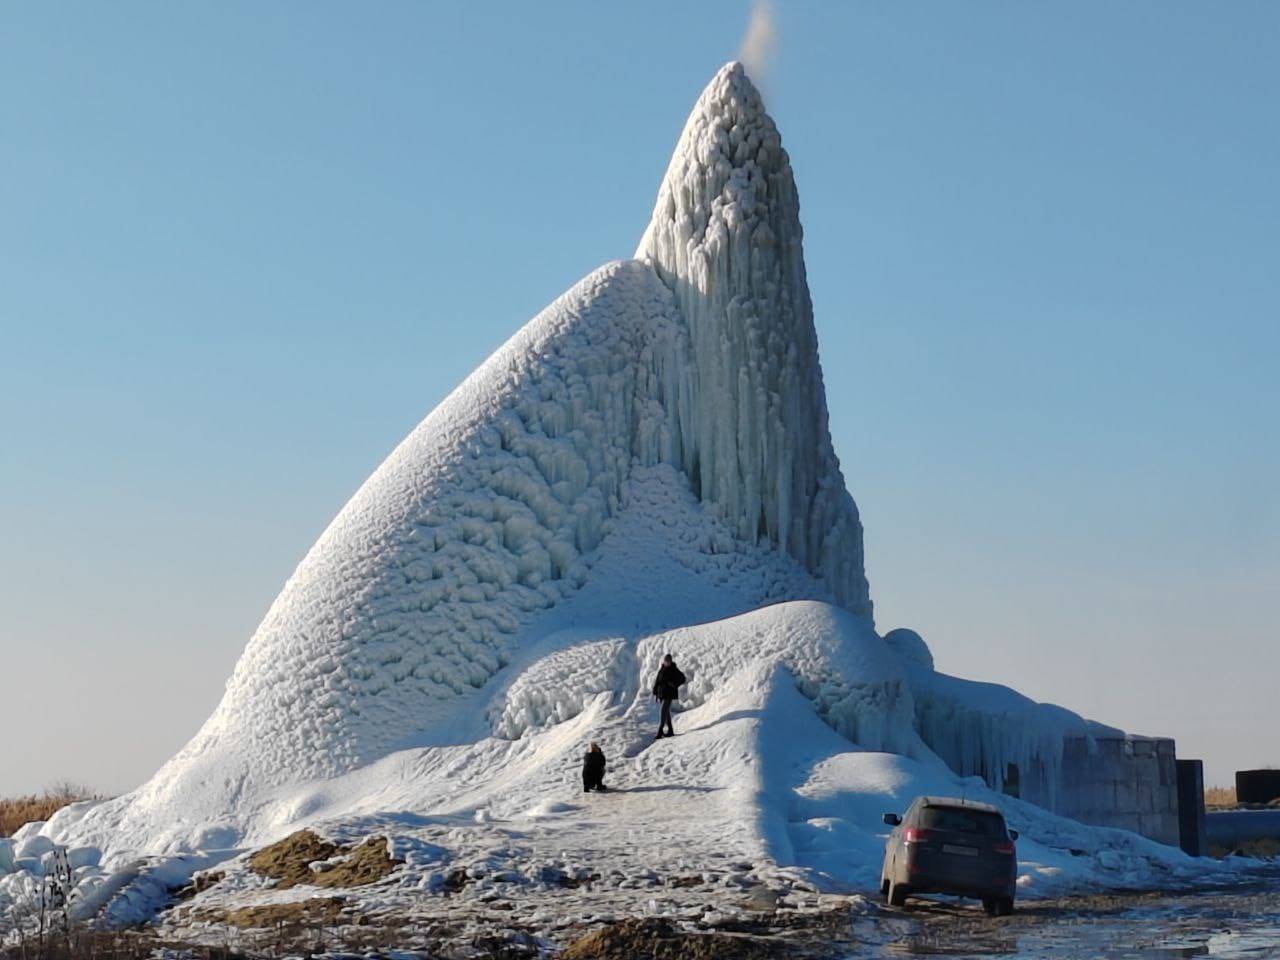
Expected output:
(1126, 793)
(1166, 830)
(1100, 799)
(1113, 751)
(1146, 792)
(1257, 786)
(1191, 819)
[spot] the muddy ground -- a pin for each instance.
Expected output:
(1231, 923)
(1241, 922)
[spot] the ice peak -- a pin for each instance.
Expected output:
(728, 142)
(725, 236)
(732, 94)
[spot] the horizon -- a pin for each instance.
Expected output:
(239, 289)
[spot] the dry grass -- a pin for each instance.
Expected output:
(297, 916)
(289, 861)
(111, 945)
(1220, 798)
(16, 811)
(1267, 848)
(662, 940)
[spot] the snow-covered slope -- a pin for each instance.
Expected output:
(492, 510)
(795, 735)
(644, 468)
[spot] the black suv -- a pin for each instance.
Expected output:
(945, 845)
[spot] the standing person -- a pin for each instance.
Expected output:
(593, 769)
(666, 688)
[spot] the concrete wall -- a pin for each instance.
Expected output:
(1191, 826)
(1257, 786)
(1127, 782)
(1230, 828)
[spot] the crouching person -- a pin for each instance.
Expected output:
(593, 769)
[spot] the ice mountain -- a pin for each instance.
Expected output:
(700, 354)
(645, 467)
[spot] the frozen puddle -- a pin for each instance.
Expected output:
(1233, 924)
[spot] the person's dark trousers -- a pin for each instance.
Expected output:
(591, 780)
(664, 722)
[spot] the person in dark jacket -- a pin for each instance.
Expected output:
(593, 769)
(666, 687)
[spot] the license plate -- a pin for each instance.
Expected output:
(963, 851)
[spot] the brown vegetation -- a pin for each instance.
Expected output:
(663, 940)
(16, 811)
(1266, 848)
(1220, 798)
(111, 945)
(302, 913)
(1224, 798)
(288, 862)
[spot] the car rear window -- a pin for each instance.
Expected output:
(956, 820)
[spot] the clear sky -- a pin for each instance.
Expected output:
(245, 247)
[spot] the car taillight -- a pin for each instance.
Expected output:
(916, 835)
(1005, 847)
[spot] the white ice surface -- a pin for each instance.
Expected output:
(759, 787)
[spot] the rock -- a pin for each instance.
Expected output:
(761, 900)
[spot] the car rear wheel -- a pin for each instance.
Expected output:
(884, 888)
(897, 894)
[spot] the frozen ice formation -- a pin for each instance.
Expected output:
(725, 236)
(700, 354)
(910, 646)
(485, 515)
(560, 686)
(644, 468)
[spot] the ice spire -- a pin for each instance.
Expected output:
(725, 236)
(502, 503)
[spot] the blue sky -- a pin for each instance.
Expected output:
(245, 247)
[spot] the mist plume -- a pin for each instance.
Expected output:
(756, 49)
